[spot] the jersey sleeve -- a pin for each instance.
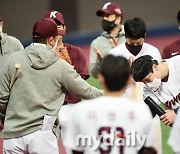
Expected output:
(174, 138)
(94, 62)
(148, 92)
(118, 52)
(166, 53)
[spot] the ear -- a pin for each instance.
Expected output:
(154, 67)
(100, 79)
(50, 41)
(1, 23)
(118, 20)
(64, 27)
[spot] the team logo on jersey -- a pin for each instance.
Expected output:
(53, 14)
(174, 53)
(173, 101)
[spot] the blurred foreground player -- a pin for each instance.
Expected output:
(109, 118)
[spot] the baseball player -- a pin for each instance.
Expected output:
(174, 48)
(134, 47)
(29, 109)
(8, 44)
(112, 114)
(111, 18)
(161, 82)
(174, 136)
(70, 53)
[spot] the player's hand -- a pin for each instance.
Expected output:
(99, 53)
(168, 118)
(131, 59)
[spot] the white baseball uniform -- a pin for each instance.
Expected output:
(169, 92)
(174, 138)
(147, 49)
(117, 117)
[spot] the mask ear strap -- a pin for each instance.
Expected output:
(55, 45)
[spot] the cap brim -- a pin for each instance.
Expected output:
(101, 12)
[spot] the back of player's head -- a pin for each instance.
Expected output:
(116, 71)
(135, 28)
(178, 16)
(142, 66)
(44, 28)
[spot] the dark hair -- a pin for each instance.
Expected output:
(39, 40)
(142, 66)
(135, 28)
(147, 150)
(116, 71)
(178, 16)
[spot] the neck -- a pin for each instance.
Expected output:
(114, 93)
(115, 30)
(60, 42)
(164, 69)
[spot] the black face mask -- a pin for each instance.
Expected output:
(134, 49)
(107, 25)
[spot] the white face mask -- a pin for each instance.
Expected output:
(155, 84)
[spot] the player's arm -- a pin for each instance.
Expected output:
(81, 64)
(74, 84)
(4, 90)
(94, 59)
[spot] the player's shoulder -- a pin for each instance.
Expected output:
(73, 47)
(117, 49)
(149, 46)
(13, 39)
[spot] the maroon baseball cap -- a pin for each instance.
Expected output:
(57, 16)
(110, 8)
(44, 28)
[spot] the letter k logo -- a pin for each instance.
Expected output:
(53, 14)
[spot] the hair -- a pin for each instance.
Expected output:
(178, 16)
(147, 150)
(116, 71)
(135, 28)
(40, 40)
(142, 66)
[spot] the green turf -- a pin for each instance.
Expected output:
(165, 129)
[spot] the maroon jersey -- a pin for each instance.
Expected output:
(171, 50)
(78, 60)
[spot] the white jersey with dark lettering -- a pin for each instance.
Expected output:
(108, 125)
(168, 92)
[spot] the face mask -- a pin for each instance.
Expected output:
(134, 49)
(61, 32)
(155, 84)
(107, 25)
